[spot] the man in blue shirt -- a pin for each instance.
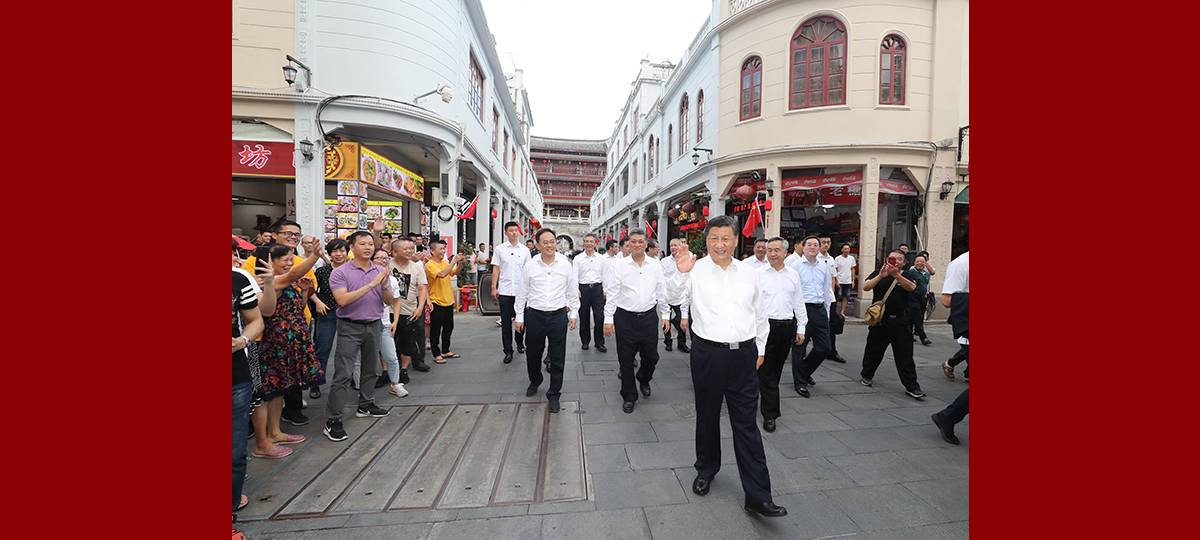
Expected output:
(818, 295)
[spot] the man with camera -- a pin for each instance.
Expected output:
(895, 330)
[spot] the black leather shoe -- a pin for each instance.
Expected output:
(585, 347)
(700, 485)
(554, 407)
(925, 342)
(837, 358)
(420, 366)
(669, 346)
(627, 407)
(768, 509)
(645, 389)
(520, 349)
(769, 424)
(529, 392)
(810, 381)
(601, 348)
(803, 390)
(683, 348)
(314, 393)
(508, 358)
(946, 428)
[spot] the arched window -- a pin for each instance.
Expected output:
(650, 157)
(891, 71)
(818, 64)
(751, 88)
(683, 129)
(700, 116)
(670, 137)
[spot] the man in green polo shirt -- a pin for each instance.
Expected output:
(916, 300)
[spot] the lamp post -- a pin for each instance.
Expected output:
(947, 186)
(696, 155)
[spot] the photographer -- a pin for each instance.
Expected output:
(895, 330)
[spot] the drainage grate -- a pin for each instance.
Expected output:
(426, 457)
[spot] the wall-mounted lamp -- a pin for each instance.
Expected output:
(289, 74)
(444, 90)
(696, 155)
(946, 187)
(306, 149)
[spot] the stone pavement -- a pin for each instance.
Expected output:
(852, 461)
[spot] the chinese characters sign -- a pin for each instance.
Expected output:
(271, 159)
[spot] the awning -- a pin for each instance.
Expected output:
(964, 196)
(256, 131)
(803, 183)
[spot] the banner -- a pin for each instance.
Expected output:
(386, 175)
(269, 159)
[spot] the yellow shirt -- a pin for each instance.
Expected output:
(440, 291)
(249, 267)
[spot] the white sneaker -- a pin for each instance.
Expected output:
(499, 323)
(399, 390)
(303, 403)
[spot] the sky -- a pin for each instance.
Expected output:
(579, 58)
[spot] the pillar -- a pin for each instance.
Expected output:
(310, 176)
(867, 231)
(772, 228)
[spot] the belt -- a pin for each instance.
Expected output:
(555, 312)
(817, 304)
(355, 321)
(720, 345)
(636, 314)
(590, 284)
(782, 321)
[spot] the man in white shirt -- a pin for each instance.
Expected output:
(844, 266)
(507, 261)
(652, 248)
(549, 299)
(410, 290)
(759, 258)
(818, 295)
(677, 301)
(795, 257)
(957, 283)
(589, 273)
(611, 255)
(730, 330)
(636, 296)
(787, 317)
(826, 258)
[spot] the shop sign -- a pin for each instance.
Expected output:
(823, 181)
(341, 161)
(897, 187)
(270, 159)
(386, 175)
(699, 225)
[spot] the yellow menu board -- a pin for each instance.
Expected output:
(386, 175)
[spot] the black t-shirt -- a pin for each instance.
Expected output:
(243, 298)
(898, 300)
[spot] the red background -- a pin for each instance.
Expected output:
(1083, 370)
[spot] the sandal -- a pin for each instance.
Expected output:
(293, 439)
(245, 502)
(948, 370)
(450, 355)
(275, 452)
(439, 360)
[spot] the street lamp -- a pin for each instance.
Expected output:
(946, 187)
(289, 74)
(306, 149)
(696, 154)
(443, 89)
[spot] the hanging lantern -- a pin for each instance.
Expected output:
(673, 213)
(705, 211)
(745, 192)
(768, 204)
(689, 208)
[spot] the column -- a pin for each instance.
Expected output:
(867, 233)
(940, 216)
(772, 228)
(483, 213)
(664, 223)
(310, 176)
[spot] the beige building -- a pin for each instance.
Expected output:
(849, 118)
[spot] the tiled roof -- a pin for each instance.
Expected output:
(574, 145)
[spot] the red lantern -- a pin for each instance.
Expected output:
(673, 213)
(768, 204)
(705, 211)
(494, 214)
(689, 208)
(745, 192)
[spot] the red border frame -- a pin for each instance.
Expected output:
(742, 85)
(902, 52)
(825, 46)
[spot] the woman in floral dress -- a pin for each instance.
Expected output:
(286, 357)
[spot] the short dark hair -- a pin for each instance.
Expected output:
(508, 224)
(762, 240)
(414, 235)
(624, 240)
(810, 237)
(335, 244)
(651, 243)
(283, 223)
(609, 244)
(640, 232)
(436, 242)
(542, 231)
(279, 250)
(844, 244)
(901, 245)
(354, 236)
(529, 240)
(720, 221)
(924, 254)
(591, 235)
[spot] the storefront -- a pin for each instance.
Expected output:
(687, 219)
(360, 185)
(961, 233)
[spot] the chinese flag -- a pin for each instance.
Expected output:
(752, 220)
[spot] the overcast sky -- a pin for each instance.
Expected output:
(580, 58)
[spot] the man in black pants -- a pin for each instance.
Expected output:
(817, 290)
(787, 317)
(589, 274)
(548, 299)
(678, 303)
(507, 261)
(895, 330)
(829, 260)
(635, 297)
(730, 329)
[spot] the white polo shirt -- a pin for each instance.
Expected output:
(510, 259)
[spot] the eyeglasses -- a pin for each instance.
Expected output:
(289, 234)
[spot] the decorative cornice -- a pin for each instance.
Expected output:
(921, 148)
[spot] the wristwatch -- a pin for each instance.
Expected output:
(245, 338)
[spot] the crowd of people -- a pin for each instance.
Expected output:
(373, 301)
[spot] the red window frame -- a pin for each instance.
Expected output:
(475, 93)
(505, 156)
(817, 62)
(893, 60)
(495, 130)
(700, 116)
(683, 129)
(751, 104)
(650, 158)
(670, 137)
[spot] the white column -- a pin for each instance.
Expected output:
(867, 234)
(310, 176)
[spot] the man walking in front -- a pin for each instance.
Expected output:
(441, 294)
(637, 296)
(675, 299)
(507, 261)
(589, 274)
(730, 330)
(818, 296)
(548, 299)
(358, 288)
(787, 317)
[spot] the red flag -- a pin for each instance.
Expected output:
(623, 233)
(752, 220)
(649, 230)
(467, 210)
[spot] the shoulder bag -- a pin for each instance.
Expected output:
(874, 313)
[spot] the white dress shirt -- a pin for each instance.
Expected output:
(674, 298)
(815, 282)
(589, 270)
(792, 259)
(755, 263)
(510, 259)
(548, 287)
(781, 295)
(958, 279)
(727, 305)
(635, 288)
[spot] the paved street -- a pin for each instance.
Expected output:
(468, 455)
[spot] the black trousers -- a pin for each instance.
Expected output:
(540, 327)
(507, 312)
(916, 306)
(637, 334)
(779, 342)
(293, 403)
(816, 332)
(676, 318)
(410, 338)
(895, 331)
(832, 336)
(441, 323)
(591, 304)
(729, 375)
(956, 411)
